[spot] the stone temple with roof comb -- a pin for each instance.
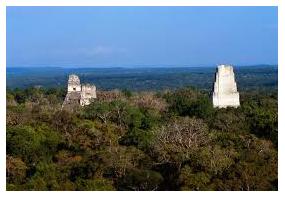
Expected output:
(78, 94)
(225, 92)
(224, 95)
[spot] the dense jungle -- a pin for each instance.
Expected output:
(141, 140)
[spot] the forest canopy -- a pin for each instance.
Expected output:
(124, 140)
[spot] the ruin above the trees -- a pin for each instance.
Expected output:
(78, 94)
(225, 92)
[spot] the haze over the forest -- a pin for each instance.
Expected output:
(140, 36)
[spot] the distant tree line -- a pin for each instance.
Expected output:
(263, 77)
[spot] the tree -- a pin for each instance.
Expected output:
(137, 179)
(189, 180)
(99, 184)
(19, 96)
(90, 135)
(142, 141)
(117, 160)
(262, 114)
(176, 141)
(149, 101)
(100, 110)
(32, 144)
(189, 102)
(229, 120)
(15, 170)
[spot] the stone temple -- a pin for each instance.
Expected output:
(78, 94)
(225, 92)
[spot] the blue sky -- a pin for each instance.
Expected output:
(141, 36)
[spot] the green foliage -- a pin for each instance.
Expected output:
(189, 180)
(127, 93)
(99, 184)
(262, 113)
(214, 159)
(189, 102)
(170, 140)
(117, 160)
(45, 177)
(150, 119)
(16, 170)
(32, 143)
(134, 120)
(229, 120)
(137, 179)
(19, 96)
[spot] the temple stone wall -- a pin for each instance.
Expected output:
(225, 92)
(78, 94)
(87, 93)
(73, 83)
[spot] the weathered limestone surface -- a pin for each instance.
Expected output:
(78, 94)
(87, 93)
(225, 89)
(73, 84)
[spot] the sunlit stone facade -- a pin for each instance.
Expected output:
(78, 94)
(225, 92)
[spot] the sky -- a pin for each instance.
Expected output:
(141, 36)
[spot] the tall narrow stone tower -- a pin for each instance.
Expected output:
(225, 92)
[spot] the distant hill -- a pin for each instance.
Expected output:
(138, 79)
